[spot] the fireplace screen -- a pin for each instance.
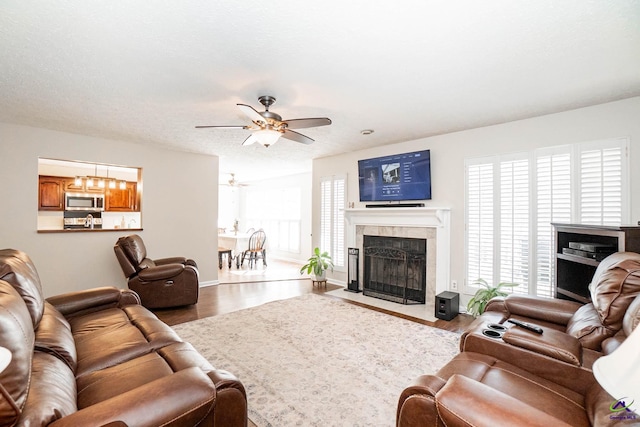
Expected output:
(395, 269)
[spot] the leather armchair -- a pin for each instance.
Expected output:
(615, 284)
(476, 389)
(160, 283)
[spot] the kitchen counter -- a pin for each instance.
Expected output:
(84, 230)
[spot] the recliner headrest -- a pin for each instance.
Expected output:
(17, 335)
(17, 269)
(615, 284)
(134, 249)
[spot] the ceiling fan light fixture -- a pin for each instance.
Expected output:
(266, 137)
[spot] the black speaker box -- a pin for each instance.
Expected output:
(447, 305)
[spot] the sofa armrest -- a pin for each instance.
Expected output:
(496, 304)
(552, 343)
(463, 401)
(186, 397)
(416, 406)
(96, 298)
(160, 272)
(548, 310)
(171, 260)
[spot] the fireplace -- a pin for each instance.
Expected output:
(395, 269)
(430, 224)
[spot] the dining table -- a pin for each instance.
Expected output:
(236, 242)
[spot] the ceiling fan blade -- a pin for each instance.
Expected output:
(251, 112)
(250, 140)
(297, 137)
(223, 127)
(307, 123)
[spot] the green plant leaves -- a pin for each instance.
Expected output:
(317, 263)
(479, 301)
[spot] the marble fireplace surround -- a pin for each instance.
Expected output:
(432, 224)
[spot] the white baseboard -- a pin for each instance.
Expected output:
(209, 283)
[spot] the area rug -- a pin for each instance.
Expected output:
(315, 360)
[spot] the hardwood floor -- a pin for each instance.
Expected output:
(245, 288)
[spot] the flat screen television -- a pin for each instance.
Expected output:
(396, 177)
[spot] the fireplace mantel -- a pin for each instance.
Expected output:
(437, 218)
(420, 217)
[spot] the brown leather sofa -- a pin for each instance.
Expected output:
(97, 357)
(160, 283)
(507, 375)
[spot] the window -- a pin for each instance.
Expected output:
(553, 196)
(514, 223)
(280, 220)
(479, 220)
(332, 205)
(511, 202)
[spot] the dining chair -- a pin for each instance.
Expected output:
(256, 249)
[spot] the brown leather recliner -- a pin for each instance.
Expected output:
(615, 284)
(160, 283)
(518, 388)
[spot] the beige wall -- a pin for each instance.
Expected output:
(617, 119)
(179, 207)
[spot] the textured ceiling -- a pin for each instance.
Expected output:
(150, 71)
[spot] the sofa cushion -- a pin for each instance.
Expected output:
(103, 384)
(113, 336)
(17, 269)
(615, 284)
(54, 336)
(16, 334)
(52, 394)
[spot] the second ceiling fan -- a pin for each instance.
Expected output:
(267, 127)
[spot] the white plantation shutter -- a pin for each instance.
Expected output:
(337, 245)
(325, 214)
(514, 224)
(332, 205)
(479, 221)
(602, 184)
(511, 203)
(553, 185)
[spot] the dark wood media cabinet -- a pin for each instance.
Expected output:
(573, 273)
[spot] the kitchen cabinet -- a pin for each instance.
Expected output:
(125, 200)
(51, 193)
(573, 273)
(52, 189)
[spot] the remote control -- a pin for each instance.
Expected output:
(525, 325)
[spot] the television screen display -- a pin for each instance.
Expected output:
(396, 177)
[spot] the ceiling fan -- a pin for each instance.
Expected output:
(232, 182)
(267, 127)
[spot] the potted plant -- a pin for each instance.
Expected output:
(477, 304)
(317, 265)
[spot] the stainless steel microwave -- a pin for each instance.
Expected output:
(83, 202)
